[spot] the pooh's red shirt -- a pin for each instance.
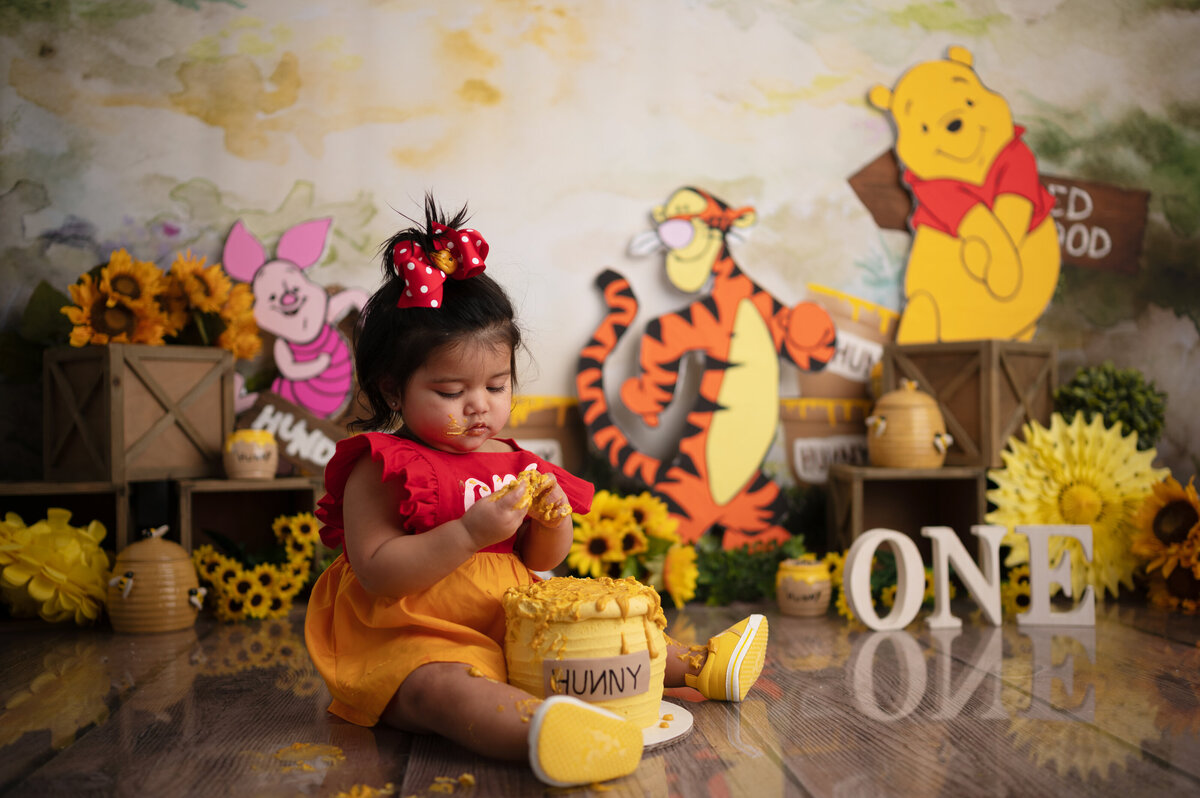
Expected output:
(942, 203)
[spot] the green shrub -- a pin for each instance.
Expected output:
(1117, 395)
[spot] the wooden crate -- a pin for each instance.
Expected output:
(986, 390)
(904, 499)
(125, 412)
(87, 501)
(242, 509)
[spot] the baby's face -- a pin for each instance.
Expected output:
(460, 398)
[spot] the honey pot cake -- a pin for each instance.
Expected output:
(599, 640)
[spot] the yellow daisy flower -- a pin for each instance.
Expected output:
(1076, 473)
(595, 546)
(134, 282)
(1167, 519)
(102, 318)
(680, 573)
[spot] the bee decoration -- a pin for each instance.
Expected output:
(123, 582)
(196, 597)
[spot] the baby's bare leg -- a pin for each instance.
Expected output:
(682, 660)
(485, 716)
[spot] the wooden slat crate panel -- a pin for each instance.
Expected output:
(126, 412)
(987, 390)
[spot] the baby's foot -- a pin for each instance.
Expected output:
(735, 659)
(572, 742)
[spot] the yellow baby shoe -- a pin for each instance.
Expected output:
(735, 659)
(572, 742)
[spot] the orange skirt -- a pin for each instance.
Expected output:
(364, 645)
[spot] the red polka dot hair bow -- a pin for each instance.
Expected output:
(456, 253)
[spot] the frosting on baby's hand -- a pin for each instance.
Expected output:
(535, 488)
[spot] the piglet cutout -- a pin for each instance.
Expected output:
(316, 370)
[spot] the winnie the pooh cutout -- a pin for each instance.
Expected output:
(742, 332)
(985, 255)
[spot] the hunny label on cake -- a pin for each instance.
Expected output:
(599, 678)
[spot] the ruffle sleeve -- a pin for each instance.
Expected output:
(417, 488)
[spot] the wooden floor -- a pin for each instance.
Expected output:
(238, 711)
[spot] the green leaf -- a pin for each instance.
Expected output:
(43, 321)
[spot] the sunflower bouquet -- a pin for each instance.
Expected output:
(634, 536)
(1168, 539)
(133, 301)
(244, 587)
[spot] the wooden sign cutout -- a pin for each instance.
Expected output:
(306, 441)
(1099, 226)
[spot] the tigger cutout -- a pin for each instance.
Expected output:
(715, 481)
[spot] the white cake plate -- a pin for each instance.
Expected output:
(680, 724)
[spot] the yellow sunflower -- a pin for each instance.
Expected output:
(595, 546)
(257, 600)
(207, 288)
(241, 339)
(1168, 519)
(1014, 592)
(306, 527)
(633, 540)
(137, 283)
(102, 318)
(266, 575)
(680, 573)
(231, 607)
(650, 514)
(608, 506)
(229, 572)
(240, 304)
(1077, 473)
(283, 529)
(174, 304)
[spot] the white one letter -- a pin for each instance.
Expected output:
(910, 579)
(985, 588)
(1041, 576)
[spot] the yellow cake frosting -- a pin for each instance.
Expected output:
(600, 640)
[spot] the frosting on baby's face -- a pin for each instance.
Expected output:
(460, 398)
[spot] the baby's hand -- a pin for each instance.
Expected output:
(494, 518)
(550, 505)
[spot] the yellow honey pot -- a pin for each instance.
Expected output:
(803, 587)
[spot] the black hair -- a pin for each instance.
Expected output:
(391, 343)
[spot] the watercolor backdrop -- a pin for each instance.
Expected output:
(155, 125)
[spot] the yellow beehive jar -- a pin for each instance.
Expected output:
(153, 587)
(599, 640)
